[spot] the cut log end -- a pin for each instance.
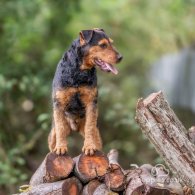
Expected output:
(58, 167)
(72, 186)
(53, 168)
(152, 97)
(115, 179)
(90, 167)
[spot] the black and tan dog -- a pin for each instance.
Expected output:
(75, 90)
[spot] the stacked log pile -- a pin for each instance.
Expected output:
(98, 175)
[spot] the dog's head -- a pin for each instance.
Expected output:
(98, 50)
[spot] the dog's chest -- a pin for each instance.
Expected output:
(75, 106)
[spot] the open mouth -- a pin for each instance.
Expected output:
(105, 66)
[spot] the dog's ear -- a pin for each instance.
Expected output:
(85, 36)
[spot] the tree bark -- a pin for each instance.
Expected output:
(191, 134)
(162, 127)
(91, 187)
(88, 167)
(114, 178)
(69, 186)
(53, 168)
(103, 190)
(136, 184)
(148, 180)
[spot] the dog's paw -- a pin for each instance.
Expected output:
(89, 149)
(60, 150)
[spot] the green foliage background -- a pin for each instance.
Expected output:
(34, 35)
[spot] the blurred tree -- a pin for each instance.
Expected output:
(33, 36)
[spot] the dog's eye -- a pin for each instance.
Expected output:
(103, 45)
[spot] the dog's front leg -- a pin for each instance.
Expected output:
(89, 98)
(62, 130)
(61, 99)
(90, 145)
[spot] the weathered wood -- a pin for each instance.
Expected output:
(88, 167)
(162, 127)
(191, 134)
(70, 186)
(103, 190)
(163, 179)
(113, 156)
(53, 168)
(91, 187)
(144, 181)
(114, 178)
(135, 184)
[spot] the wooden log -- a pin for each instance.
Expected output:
(191, 134)
(103, 190)
(88, 167)
(163, 179)
(113, 156)
(114, 178)
(70, 186)
(53, 168)
(142, 182)
(91, 187)
(162, 127)
(135, 184)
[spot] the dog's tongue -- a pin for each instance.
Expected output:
(111, 68)
(106, 66)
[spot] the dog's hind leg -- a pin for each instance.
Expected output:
(97, 139)
(81, 127)
(52, 139)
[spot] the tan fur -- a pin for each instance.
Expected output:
(92, 140)
(103, 41)
(64, 122)
(108, 55)
(61, 129)
(82, 40)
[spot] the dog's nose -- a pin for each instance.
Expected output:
(119, 57)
